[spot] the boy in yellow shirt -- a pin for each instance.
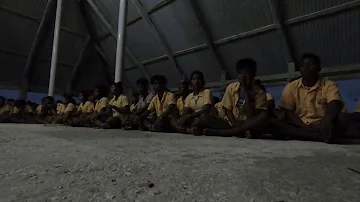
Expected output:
(22, 113)
(115, 110)
(4, 110)
(163, 104)
(312, 105)
(245, 106)
(197, 103)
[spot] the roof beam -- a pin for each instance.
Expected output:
(209, 39)
(114, 35)
(276, 14)
(64, 29)
(72, 81)
(157, 35)
(41, 32)
(260, 30)
(157, 7)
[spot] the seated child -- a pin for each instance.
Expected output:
(116, 110)
(163, 104)
(245, 107)
(196, 103)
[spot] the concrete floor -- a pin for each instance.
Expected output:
(41, 163)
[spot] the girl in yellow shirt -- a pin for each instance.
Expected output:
(66, 111)
(196, 103)
(4, 110)
(113, 114)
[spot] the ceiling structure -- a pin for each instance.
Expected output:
(174, 38)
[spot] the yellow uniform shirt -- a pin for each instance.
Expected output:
(58, 106)
(86, 107)
(121, 102)
(357, 108)
(231, 98)
(103, 102)
(132, 108)
(67, 108)
(269, 97)
(220, 110)
(180, 104)
(160, 106)
(196, 103)
(38, 109)
(309, 103)
(5, 109)
(28, 109)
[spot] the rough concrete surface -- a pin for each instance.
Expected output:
(40, 163)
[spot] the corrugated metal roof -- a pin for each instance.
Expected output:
(13, 31)
(32, 8)
(230, 17)
(296, 8)
(180, 31)
(334, 37)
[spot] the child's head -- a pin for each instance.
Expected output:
(11, 102)
(67, 98)
(142, 85)
(100, 92)
(246, 70)
(84, 96)
(20, 104)
(159, 83)
(2, 100)
(183, 87)
(116, 88)
(197, 80)
(134, 98)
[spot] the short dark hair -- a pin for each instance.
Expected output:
(312, 56)
(20, 103)
(142, 81)
(51, 99)
(159, 78)
(86, 94)
(246, 63)
(262, 87)
(202, 77)
(118, 84)
(103, 90)
(216, 99)
(69, 98)
(257, 82)
(2, 98)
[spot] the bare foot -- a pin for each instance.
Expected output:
(196, 131)
(105, 126)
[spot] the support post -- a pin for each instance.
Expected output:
(114, 35)
(55, 48)
(119, 64)
(35, 48)
(96, 40)
(74, 73)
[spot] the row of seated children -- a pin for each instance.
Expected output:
(311, 107)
